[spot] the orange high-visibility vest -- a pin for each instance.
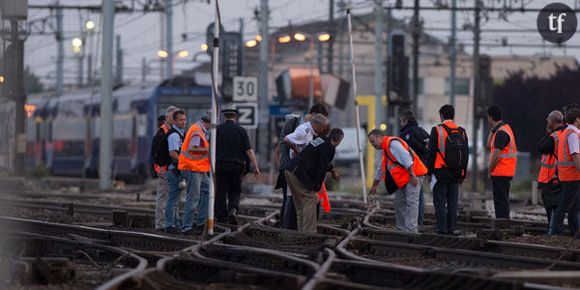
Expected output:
(566, 169)
(165, 129)
(198, 162)
(441, 142)
(399, 173)
(549, 162)
(507, 158)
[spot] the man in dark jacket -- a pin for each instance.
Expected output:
(287, 212)
(417, 138)
(305, 174)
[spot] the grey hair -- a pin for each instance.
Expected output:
(319, 120)
(556, 116)
(170, 110)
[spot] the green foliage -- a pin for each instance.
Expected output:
(39, 171)
(32, 82)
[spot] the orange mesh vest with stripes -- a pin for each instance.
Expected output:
(194, 161)
(399, 173)
(566, 169)
(507, 158)
(549, 162)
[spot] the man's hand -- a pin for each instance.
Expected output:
(414, 180)
(162, 172)
(256, 172)
(335, 174)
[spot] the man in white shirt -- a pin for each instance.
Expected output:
(298, 139)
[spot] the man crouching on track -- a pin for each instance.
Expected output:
(403, 172)
(305, 174)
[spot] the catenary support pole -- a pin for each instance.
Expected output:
(476, 96)
(379, 63)
(357, 109)
(60, 52)
(214, 112)
(169, 38)
(453, 53)
(106, 125)
(416, 39)
(263, 104)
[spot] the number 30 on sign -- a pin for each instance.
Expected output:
(245, 89)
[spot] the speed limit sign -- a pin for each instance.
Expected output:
(245, 89)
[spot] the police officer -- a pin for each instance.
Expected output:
(232, 147)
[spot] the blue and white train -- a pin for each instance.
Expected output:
(63, 131)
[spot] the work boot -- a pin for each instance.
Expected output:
(233, 216)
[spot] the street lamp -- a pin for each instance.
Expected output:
(162, 53)
(183, 53)
(90, 25)
(204, 47)
(284, 39)
(77, 43)
(251, 43)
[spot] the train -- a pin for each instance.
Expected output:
(63, 130)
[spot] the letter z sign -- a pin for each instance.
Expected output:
(247, 115)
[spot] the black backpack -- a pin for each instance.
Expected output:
(160, 149)
(456, 150)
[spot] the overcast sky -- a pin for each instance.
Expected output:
(141, 32)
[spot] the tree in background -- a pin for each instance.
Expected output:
(32, 82)
(527, 101)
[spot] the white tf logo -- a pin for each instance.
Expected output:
(559, 19)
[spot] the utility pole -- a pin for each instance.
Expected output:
(14, 59)
(143, 70)
(119, 64)
(453, 53)
(169, 38)
(476, 95)
(90, 70)
(162, 44)
(379, 62)
(106, 130)
(60, 51)
(416, 39)
(332, 31)
(242, 41)
(263, 82)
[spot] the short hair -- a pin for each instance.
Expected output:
(206, 117)
(177, 113)
(556, 116)
(572, 115)
(318, 109)
(447, 112)
(160, 120)
(408, 115)
(318, 119)
(171, 110)
(569, 107)
(494, 112)
(336, 134)
(375, 132)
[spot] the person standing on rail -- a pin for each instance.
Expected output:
(174, 141)
(160, 156)
(418, 139)
(233, 145)
(194, 164)
(448, 158)
(305, 174)
(298, 137)
(569, 175)
(502, 162)
(403, 173)
(548, 182)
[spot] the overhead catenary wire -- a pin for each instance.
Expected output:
(357, 109)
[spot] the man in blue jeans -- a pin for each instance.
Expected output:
(194, 164)
(174, 140)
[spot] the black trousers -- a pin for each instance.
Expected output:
(501, 199)
(570, 204)
(445, 194)
(289, 218)
(228, 191)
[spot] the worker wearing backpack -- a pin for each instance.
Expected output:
(448, 157)
(161, 159)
